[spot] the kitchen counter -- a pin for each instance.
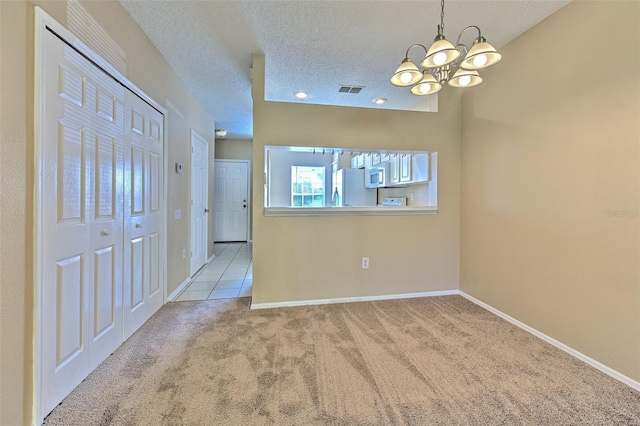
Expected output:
(350, 211)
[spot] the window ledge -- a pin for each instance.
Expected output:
(350, 211)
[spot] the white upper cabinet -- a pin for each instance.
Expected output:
(405, 168)
(394, 169)
(375, 158)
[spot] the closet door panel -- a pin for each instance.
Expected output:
(81, 219)
(144, 218)
(69, 321)
(105, 290)
(155, 267)
(105, 209)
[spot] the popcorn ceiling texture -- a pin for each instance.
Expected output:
(313, 46)
(427, 361)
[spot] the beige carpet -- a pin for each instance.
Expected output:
(429, 361)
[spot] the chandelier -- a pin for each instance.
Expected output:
(445, 63)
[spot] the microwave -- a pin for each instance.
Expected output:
(376, 177)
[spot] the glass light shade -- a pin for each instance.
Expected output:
(465, 78)
(440, 54)
(406, 75)
(481, 55)
(426, 86)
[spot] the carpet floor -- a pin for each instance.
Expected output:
(428, 361)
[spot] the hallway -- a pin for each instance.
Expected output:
(228, 276)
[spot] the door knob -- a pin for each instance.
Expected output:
(138, 225)
(206, 210)
(245, 206)
(105, 233)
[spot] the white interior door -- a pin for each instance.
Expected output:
(231, 201)
(81, 214)
(199, 201)
(143, 218)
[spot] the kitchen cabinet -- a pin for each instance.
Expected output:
(379, 158)
(357, 161)
(361, 160)
(405, 168)
(394, 169)
(367, 160)
(375, 158)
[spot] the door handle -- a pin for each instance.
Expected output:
(206, 210)
(245, 206)
(104, 233)
(138, 225)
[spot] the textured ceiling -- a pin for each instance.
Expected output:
(314, 46)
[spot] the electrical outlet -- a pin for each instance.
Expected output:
(365, 263)
(184, 253)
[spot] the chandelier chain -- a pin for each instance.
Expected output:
(442, 16)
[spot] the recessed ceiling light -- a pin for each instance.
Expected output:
(379, 101)
(301, 95)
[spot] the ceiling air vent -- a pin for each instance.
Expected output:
(350, 89)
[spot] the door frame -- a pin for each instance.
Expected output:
(43, 23)
(195, 135)
(249, 211)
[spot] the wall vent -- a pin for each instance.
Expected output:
(350, 89)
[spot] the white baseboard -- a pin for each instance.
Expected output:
(211, 258)
(582, 357)
(350, 299)
(174, 294)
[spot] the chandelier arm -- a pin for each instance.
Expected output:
(463, 47)
(415, 45)
(468, 28)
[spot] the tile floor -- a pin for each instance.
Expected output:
(229, 275)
